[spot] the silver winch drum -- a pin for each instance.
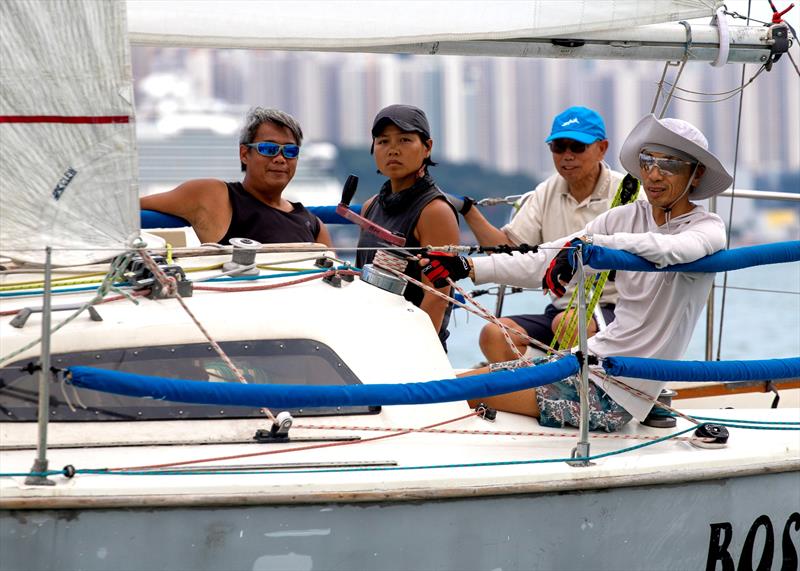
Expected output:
(381, 277)
(243, 258)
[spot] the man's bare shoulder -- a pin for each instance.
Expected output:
(202, 188)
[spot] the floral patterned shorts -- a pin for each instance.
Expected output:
(559, 406)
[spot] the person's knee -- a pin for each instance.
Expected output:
(490, 335)
(494, 344)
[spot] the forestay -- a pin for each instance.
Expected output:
(68, 162)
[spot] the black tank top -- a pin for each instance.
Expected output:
(251, 218)
(400, 212)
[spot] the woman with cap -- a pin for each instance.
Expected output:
(409, 202)
(657, 311)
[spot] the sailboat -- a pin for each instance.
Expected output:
(399, 473)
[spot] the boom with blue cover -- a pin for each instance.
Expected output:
(601, 258)
(697, 371)
(294, 396)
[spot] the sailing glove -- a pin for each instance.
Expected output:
(561, 269)
(461, 203)
(442, 266)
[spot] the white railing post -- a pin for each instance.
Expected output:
(581, 450)
(40, 463)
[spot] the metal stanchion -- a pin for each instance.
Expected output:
(581, 450)
(40, 463)
(712, 207)
(501, 296)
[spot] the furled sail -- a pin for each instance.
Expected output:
(324, 25)
(67, 142)
(589, 29)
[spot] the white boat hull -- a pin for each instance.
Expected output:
(751, 521)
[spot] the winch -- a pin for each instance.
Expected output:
(377, 274)
(243, 258)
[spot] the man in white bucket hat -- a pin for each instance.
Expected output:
(656, 312)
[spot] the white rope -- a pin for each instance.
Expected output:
(171, 289)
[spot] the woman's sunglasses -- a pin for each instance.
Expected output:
(560, 146)
(270, 149)
(667, 166)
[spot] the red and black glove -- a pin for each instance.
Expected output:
(561, 269)
(442, 266)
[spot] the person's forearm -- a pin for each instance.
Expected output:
(435, 307)
(485, 233)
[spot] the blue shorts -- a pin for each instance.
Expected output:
(539, 326)
(560, 406)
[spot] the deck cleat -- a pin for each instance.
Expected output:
(486, 412)
(323, 262)
(140, 277)
(710, 436)
(334, 279)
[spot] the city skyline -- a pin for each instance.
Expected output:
(492, 111)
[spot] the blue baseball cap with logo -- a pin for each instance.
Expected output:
(579, 124)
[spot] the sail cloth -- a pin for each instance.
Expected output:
(67, 142)
(294, 396)
(365, 26)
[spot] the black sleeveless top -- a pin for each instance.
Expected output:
(400, 212)
(251, 218)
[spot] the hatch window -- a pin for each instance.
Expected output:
(284, 362)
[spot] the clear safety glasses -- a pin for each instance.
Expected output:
(666, 165)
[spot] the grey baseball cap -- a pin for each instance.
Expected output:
(406, 117)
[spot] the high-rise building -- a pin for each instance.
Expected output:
(496, 111)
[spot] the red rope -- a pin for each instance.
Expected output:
(299, 448)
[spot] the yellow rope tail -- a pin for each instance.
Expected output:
(565, 334)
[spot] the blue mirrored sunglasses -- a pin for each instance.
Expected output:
(666, 165)
(271, 149)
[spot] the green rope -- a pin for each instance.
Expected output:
(564, 336)
(781, 422)
(371, 469)
(115, 272)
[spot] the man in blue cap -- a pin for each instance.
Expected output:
(581, 189)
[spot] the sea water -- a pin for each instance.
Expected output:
(758, 324)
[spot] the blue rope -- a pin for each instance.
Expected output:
(219, 279)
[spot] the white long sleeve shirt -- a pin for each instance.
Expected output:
(552, 212)
(657, 311)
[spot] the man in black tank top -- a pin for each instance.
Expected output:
(269, 146)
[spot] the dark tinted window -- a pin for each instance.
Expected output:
(286, 362)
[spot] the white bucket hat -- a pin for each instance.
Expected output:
(681, 136)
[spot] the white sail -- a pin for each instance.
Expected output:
(67, 143)
(323, 25)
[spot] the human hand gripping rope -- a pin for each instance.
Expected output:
(561, 269)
